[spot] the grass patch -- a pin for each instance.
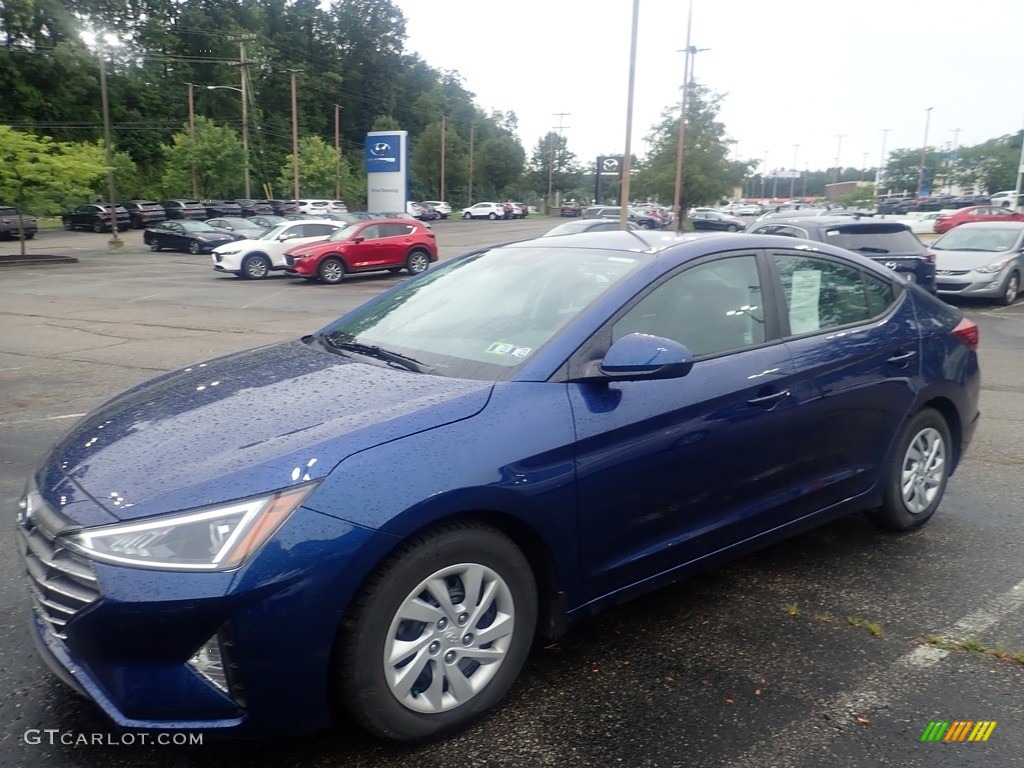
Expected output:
(49, 222)
(871, 626)
(971, 645)
(792, 609)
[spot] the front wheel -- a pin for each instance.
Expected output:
(154, 245)
(438, 634)
(97, 226)
(467, 216)
(193, 247)
(69, 226)
(733, 228)
(917, 474)
(417, 262)
(331, 271)
(1012, 289)
(255, 267)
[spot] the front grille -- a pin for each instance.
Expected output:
(951, 272)
(62, 582)
(289, 260)
(953, 286)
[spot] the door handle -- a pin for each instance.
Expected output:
(902, 358)
(769, 399)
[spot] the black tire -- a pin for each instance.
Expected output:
(914, 487)
(492, 216)
(68, 225)
(467, 216)
(733, 228)
(448, 551)
(193, 247)
(97, 226)
(1011, 289)
(30, 235)
(137, 223)
(255, 267)
(154, 245)
(417, 261)
(331, 270)
(395, 270)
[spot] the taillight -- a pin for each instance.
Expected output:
(929, 256)
(966, 332)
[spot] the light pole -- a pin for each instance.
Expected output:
(763, 172)
(678, 189)
(792, 179)
(881, 162)
(245, 129)
(115, 242)
(839, 152)
(924, 151)
(626, 155)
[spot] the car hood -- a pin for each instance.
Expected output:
(308, 249)
(963, 260)
(239, 426)
(215, 237)
(245, 243)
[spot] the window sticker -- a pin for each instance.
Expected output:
(803, 301)
(504, 348)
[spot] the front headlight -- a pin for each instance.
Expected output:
(988, 269)
(226, 253)
(214, 539)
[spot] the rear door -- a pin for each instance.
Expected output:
(854, 340)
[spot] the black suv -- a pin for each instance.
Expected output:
(216, 209)
(94, 216)
(255, 207)
(642, 220)
(145, 212)
(888, 242)
(184, 209)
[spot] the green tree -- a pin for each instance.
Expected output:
(426, 162)
(708, 174)
(42, 175)
(862, 196)
(552, 161)
(320, 167)
(217, 154)
(499, 164)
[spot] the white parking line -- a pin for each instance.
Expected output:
(877, 690)
(41, 418)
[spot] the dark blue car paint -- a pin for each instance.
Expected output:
(544, 456)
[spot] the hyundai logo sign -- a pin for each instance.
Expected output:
(383, 154)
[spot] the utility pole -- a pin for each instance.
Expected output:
(472, 131)
(192, 139)
(295, 133)
(677, 195)
(551, 159)
(337, 152)
(115, 242)
(244, 72)
(924, 151)
(444, 125)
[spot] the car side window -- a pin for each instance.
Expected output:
(822, 294)
(395, 230)
(371, 232)
(711, 308)
(316, 230)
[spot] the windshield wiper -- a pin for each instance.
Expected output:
(378, 353)
(869, 249)
(985, 250)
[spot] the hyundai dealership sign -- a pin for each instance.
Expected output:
(386, 170)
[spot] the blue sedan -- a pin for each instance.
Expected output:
(382, 515)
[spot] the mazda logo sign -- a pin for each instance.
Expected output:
(891, 264)
(610, 164)
(380, 148)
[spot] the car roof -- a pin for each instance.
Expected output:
(991, 225)
(828, 222)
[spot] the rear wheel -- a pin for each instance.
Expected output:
(917, 474)
(417, 262)
(733, 228)
(255, 267)
(438, 634)
(331, 270)
(1012, 289)
(492, 216)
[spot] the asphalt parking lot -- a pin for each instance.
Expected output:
(836, 648)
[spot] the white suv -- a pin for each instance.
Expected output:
(484, 211)
(1005, 199)
(441, 207)
(254, 259)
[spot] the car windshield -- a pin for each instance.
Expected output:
(484, 315)
(575, 227)
(965, 238)
(271, 234)
(344, 233)
(197, 226)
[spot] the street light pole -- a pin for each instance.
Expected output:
(115, 242)
(839, 152)
(678, 190)
(924, 151)
(192, 139)
(881, 162)
(626, 156)
(295, 134)
(792, 179)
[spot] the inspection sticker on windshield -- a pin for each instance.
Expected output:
(504, 348)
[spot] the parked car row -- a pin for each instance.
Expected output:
(492, 211)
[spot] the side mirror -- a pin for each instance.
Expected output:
(358, 239)
(287, 236)
(639, 357)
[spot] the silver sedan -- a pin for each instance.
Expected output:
(982, 259)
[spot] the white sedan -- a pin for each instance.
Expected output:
(255, 259)
(484, 211)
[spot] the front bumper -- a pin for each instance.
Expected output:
(971, 283)
(128, 650)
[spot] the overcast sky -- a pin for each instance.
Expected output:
(794, 72)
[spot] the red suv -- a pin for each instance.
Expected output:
(365, 246)
(570, 208)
